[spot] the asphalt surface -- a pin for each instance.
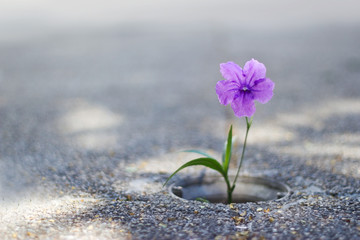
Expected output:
(96, 105)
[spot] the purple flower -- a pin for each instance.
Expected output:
(243, 86)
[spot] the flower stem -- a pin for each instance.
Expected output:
(229, 191)
(248, 125)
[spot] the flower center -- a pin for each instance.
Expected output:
(245, 89)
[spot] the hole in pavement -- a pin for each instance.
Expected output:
(213, 189)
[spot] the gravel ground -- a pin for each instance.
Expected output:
(94, 114)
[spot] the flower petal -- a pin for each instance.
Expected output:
(243, 104)
(262, 90)
(253, 71)
(226, 91)
(231, 71)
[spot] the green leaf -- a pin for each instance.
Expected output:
(224, 149)
(202, 200)
(207, 162)
(199, 152)
(227, 151)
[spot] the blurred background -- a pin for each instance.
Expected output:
(87, 87)
(22, 19)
